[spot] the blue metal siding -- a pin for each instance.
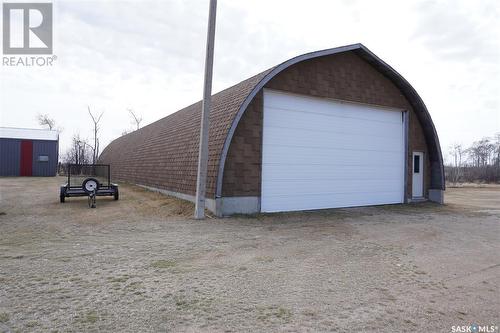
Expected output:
(10, 156)
(46, 148)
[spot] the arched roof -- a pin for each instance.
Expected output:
(437, 180)
(178, 134)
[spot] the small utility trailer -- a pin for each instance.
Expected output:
(88, 180)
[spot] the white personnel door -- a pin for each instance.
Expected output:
(418, 175)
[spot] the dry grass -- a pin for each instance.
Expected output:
(164, 264)
(4, 317)
(154, 203)
(142, 264)
(473, 185)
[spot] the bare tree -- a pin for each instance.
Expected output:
(80, 152)
(478, 163)
(496, 148)
(484, 149)
(480, 152)
(45, 120)
(474, 154)
(136, 119)
(457, 153)
(95, 119)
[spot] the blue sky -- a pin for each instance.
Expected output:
(148, 56)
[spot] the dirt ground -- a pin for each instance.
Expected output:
(142, 264)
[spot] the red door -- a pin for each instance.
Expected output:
(26, 158)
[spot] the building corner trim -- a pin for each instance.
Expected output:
(436, 195)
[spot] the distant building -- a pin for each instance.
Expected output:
(28, 152)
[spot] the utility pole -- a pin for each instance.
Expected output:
(201, 182)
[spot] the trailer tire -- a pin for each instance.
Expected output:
(116, 195)
(62, 195)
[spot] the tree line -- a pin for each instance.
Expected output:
(83, 150)
(479, 162)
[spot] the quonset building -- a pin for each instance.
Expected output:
(332, 128)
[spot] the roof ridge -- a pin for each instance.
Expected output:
(30, 129)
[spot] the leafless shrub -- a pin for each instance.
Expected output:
(478, 163)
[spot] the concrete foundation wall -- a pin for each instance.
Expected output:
(436, 196)
(221, 206)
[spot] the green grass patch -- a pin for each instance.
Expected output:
(264, 259)
(163, 264)
(134, 287)
(32, 324)
(91, 317)
(4, 317)
(57, 291)
(273, 313)
(118, 279)
(283, 313)
(184, 303)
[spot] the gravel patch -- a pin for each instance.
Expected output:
(142, 264)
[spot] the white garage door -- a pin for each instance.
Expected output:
(319, 153)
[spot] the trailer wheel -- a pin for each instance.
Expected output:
(62, 195)
(116, 195)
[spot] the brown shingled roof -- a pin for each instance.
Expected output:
(164, 154)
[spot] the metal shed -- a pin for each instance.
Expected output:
(28, 152)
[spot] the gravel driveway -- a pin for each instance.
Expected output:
(142, 264)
